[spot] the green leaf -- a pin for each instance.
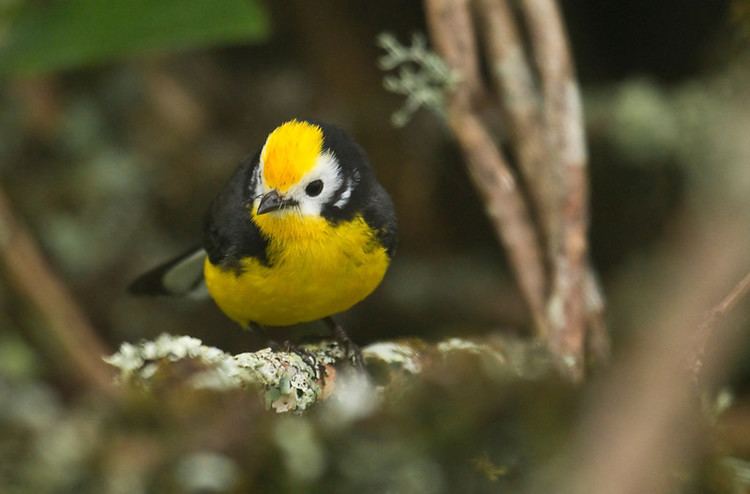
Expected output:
(44, 36)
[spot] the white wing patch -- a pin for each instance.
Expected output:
(345, 195)
(186, 277)
(199, 292)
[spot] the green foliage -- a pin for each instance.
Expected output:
(46, 36)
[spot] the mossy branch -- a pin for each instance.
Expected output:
(295, 381)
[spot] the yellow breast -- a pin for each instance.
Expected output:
(315, 269)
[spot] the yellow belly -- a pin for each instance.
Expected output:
(315, 270)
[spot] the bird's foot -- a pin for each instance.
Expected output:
(306, 355)
(261, 333)
(353, 354)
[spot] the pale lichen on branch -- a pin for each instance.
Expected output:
(293, 381)
(422, 77)
(287, 380)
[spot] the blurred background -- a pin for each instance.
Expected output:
(116, 131)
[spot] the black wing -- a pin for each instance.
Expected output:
(181, 277)
(381, 216)
(229, 234)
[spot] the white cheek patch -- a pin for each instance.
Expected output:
(327, 170)
(258, 180)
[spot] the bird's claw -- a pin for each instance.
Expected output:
(307, 356)
(353, 354)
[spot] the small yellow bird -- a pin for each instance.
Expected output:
(302, 231)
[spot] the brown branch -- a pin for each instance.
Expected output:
(715, 317)
(505, 207)
(520, 102)
(644, 423)
(567, 213)
(597, 335)
(518, 98)
(545, 125)
(452, 32)
(33, 278)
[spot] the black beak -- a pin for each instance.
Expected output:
(272, 201)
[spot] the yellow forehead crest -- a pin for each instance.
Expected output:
(290, 152)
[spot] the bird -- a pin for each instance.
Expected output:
(300, 232)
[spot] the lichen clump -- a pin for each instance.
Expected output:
(287, 381)
(422, 76)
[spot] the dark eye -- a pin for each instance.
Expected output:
(314, 188)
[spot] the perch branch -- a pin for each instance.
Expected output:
(33, 278)
(452, 31)
(293, 382)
